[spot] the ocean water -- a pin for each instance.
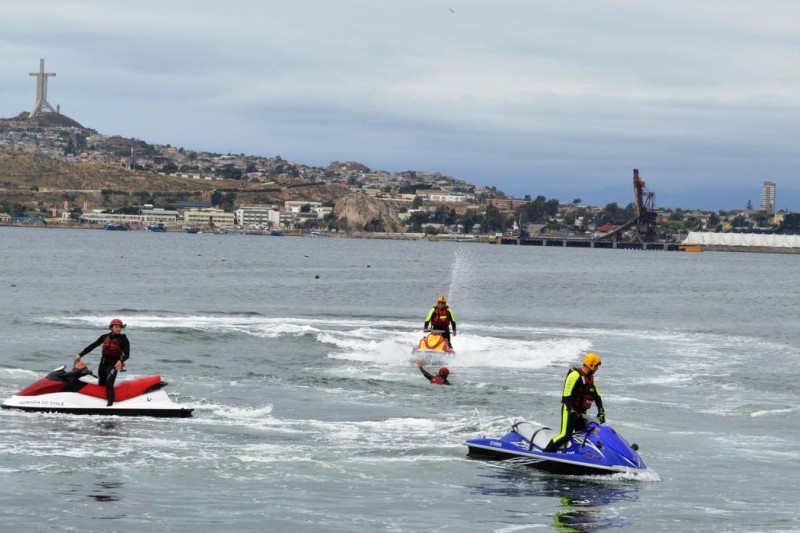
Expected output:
(310, 414)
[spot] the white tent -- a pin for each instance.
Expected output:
(742, 239)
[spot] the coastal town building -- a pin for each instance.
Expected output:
(768, 197)
(208, 218)
(443, 196)
(258, 216)
(143, 219)
(294, 206)
(506, 204)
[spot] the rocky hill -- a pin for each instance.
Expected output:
(41, 182)
(52, 159)
(359, 212)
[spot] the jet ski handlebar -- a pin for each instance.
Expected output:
(589, 419)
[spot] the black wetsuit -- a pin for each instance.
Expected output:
(579, 393)
(106, 373)
(436, 380)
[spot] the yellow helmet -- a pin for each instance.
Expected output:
(442, 300)
(592, 361)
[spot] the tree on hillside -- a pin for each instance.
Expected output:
(493, 220)
(417, 220)
(75, 214)
(790, 224)
(713, 222)
(169, 168)
(469, 219)
(229, 172)
(537, 211)
(444, 215)
(741, 221)
(613, 214)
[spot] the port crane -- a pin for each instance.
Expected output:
(645, 222)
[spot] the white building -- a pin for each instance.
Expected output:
(159, 216)
(294, 206)
(208, 217)
(258, 215)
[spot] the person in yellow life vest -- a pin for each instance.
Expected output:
(579, 394)
(440, 318)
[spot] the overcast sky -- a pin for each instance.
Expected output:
(559, 97)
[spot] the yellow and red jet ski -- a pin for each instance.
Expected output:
(434, 344)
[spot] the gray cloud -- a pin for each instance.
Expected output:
(529, 96)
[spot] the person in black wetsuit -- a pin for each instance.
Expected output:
(578, 395)
(438, 379)
(116, 350)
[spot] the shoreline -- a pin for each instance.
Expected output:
(541, 242)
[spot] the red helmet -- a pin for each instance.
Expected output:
(116, 322)
(444, 371)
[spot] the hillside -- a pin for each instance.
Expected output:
(41, 182)
(51, 159)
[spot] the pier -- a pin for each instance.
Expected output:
(593, 243)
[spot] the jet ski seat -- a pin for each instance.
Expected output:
(537, 434)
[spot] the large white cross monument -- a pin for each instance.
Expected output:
(41, 105)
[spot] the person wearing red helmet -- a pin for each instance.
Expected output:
(579, 394)
(116, 350)
(441, 317)
(438, 379)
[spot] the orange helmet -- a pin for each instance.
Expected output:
(444, 371)
(116, 322)
(592, 361)
(442, 300)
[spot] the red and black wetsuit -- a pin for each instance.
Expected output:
(436, 380)
(115, 348)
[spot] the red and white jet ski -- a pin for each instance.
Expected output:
(64, 391)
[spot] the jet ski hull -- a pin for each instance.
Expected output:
(596, 450)
(433, 344)
(156, 404)
(66, 392)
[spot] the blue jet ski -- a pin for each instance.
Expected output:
(597, 449)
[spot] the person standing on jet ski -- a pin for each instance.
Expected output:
(440, 317)
(579, 393)
(438, 379)
(116, 350)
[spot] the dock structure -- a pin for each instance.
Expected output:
(592, 243)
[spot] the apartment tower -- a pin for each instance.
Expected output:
(768, 197)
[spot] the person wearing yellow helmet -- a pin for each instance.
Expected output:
(578, 395)
(440, 318)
